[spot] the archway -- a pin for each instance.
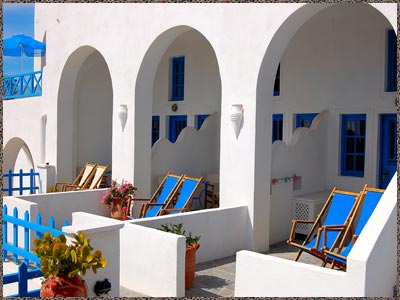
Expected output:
(85, 99)
(332, 57)
(202, 97)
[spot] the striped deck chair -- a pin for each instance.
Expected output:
(183, 196)
(93, 182)
(160, 198)
(337, 211)
(365, 207)
(82, 180)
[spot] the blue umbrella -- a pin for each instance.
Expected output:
(21, 44)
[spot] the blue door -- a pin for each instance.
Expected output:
(388, 149)
(176, 124)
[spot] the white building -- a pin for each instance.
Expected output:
(334, 63)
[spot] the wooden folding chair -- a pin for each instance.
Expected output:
(93, 182)
(365, 207)
(82, 180)
(337, 210)
(160, 197)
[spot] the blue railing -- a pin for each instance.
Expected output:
(23, 251)
(23, 85)
(9, 184)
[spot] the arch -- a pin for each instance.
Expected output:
(266, 106)
(16, 150)
(155, 62)
(84, 113)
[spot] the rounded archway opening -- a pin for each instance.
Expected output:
(85, 105)
(179, 123)
(332, 61)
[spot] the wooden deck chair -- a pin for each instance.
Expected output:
(160, 198)
(183, 197)
(93, 182)
(365, 207)
(82, 180)
(337, 210)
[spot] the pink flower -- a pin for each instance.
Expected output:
(124, 208)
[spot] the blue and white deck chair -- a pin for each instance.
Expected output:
(182, 199)
(365, 207)
(160, 198)
(337, 210)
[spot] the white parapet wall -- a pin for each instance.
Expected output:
(152, 261)
(62, 205)
(371, 265)
(104, 234)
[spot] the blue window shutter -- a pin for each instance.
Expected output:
(200, 120)
(277, 83)
(391, 79)
(155, 129)
(353, 145)
(305, 120)
(277, 127)
(178, 78)
(176, 125)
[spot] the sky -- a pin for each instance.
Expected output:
(17, 18)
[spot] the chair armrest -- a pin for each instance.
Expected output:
(139, 199)
(294, 224)
(61, 183)
(70, 187)
(325, 230)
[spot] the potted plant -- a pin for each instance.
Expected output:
(60, 264)
(192, 244)
(117, 198)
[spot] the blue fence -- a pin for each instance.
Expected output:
(9, 176)
(23, 85)
(15, 251)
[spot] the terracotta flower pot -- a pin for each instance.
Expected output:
(62, 286)
(190, 265)
(116, 210)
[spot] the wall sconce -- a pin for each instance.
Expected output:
(123, 114)
(236, 115)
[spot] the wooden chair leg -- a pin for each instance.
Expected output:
(298, 255)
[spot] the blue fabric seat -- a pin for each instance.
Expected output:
(160, 198)
(183, 196)
(337, 211)
(365, 207)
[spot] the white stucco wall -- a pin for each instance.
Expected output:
(371, 265)
(249, 40)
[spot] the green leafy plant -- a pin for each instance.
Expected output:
(177, 229)
(56, 257)
(52, 189)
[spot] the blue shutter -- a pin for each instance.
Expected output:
(178, 78)
(176, 125)
(200, 120)
(353, 145)
(277, 83)
(277, 127)
(155, 129)
(305, 120)
(391, 83)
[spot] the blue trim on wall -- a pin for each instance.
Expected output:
(155, 129)
(277, 83)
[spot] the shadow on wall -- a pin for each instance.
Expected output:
(195, 153)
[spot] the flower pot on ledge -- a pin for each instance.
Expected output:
(62, 286)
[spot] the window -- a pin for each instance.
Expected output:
(176, 125)
(353, 145)
(155, 129)
(305, 120)
(277, 127)
(391, 78)
(277, 84)
(199, 120)
(178, 78)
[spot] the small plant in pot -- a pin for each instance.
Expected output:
(61, 263)
(192, 244)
